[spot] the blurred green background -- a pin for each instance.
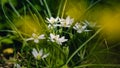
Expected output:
(105, 13)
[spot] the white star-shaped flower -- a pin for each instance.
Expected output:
(80, 28)
(52, 20)
(17, 66)
(66, 22)
(39, 54)
(36, 38)
(57, 39)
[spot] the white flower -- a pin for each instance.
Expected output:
(39, 55)
(17, 66)
(36, 37)
(66, 22)
(80, 28)
(52, 20)
(53, 26)
(57, 39)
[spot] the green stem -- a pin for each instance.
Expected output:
(60, 7)
(48, 10)
(91, 6)
(39, 15)
(98, 65)
(14, 8)
(82, 46)
(63, 11)
(35, 10)
(37, 64)
(45, 62)
(11, 31)
(11, 24)
(59, 48)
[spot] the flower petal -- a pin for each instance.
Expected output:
(79, 31)
(52, 20)
(34, 35)
(44, 56)
(17, 66)
(52, 36)
(34, 52)
(36, 40)
(41, 36)
(41, 52)
(66, 22)
(63, 39)
(30, 39)
(57, 37)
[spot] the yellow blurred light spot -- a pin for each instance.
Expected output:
(8, 51)
(111, 22)
(30, 24)
(107, 15)
(75, 8)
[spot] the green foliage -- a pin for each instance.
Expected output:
(14, 2)
(45, 29)
(7, 41)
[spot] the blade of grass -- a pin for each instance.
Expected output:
(98, 65)
(11, 24)
(35, 10)
(60, 7)
(59, 48)
(12, 31)
(115, 45)
(96, 44)
(14, 8)
(47, 8)
(37, 13)
(110, 52)
(24, 10)
(42, 4)
(63, 10)
(91, 6)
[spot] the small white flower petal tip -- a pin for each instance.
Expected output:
(36, 37)
(57, 39)
(66, 22)
(17, 66)
(52, 20)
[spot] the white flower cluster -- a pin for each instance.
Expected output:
(53, 22)
(68, 22)
(54, 37)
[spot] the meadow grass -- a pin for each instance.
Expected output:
(35, 36)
